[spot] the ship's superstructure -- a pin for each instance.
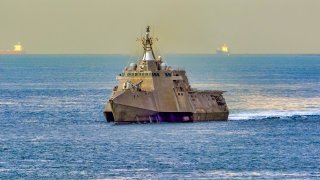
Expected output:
(150, 91)
(18, 49)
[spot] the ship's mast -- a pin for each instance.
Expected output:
(147, 41)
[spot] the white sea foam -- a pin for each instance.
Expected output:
(4, 169)
(218, 175)
(7, 103)
(264, 174)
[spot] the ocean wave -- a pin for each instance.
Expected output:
(7, 103)
(264, 174)
(212, 175)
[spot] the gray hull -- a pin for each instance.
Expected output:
(123, 114)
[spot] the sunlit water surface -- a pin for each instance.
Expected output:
(52, 126)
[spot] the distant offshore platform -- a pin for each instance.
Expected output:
(224, 49)
(18, 49)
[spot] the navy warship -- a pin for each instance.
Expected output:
(150, 91)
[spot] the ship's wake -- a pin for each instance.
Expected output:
(272, 115)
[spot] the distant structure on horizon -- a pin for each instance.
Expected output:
(224, 49)
(18, 49)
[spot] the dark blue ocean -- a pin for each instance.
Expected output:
(52, 125)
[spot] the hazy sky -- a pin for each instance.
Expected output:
(182, 26)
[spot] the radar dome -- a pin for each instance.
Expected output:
(133, 66)
(163, 66)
